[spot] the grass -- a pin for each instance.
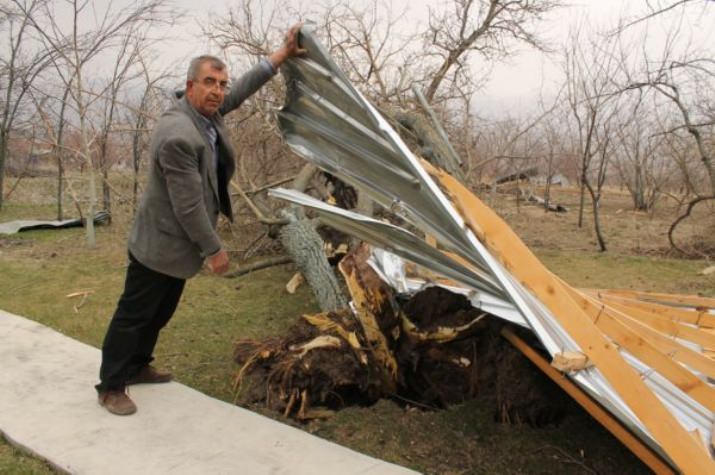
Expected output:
(612, 271)
(15, 462)
(38, 269)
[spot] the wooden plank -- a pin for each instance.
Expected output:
(619, 431)
(523, 264)
(640, 347)
(710, 352)
(674, 299)
(677, 351)
(667, 327)
(699, 317)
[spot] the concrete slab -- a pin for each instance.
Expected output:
(48, 407)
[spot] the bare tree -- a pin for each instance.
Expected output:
(74, 49)
(488, 27)
(679, 82)
(589, 66)
(641, 165)
(54, 133)
(554, 151)
(20, 66)
(130, 44)
(142, 112)
(658, 8)
(366, 43)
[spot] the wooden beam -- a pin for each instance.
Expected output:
(665, 326)
(709, 352)
(677, 351)
(700, 317)
(643, 349)
(619, 431)
(516, 257)
(673, 299)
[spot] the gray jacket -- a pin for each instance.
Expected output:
(175, 225)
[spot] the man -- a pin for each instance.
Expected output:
(192, 162)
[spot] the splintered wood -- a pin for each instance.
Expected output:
(371, 302)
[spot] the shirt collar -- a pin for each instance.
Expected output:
(205, 121)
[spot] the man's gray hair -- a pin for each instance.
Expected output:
(196, 63)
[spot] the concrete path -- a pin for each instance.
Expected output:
(48, 407)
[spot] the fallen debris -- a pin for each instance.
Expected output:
(555, 207)
(708, 270)
(520, 175)
(84, 294)
(262, 264)
(294, 282)
(570, 361)
(12, 227)
(643, 363)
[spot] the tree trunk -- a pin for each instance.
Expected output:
(3, 156)
(59, 154)
(679, 219)
(104, 160)
(596, 201)
(60, 184)
(136, 157)
(86, 153)
(582, 202)
(300, 239)
(306, 248)
(106, 197)
(139, 125)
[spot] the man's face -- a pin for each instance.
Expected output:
(206, 92)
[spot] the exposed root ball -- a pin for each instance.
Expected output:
(309, 366)
(446, 352)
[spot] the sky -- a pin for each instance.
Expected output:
(518, 82)
(514, 85)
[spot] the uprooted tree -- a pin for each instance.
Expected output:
(431, 351)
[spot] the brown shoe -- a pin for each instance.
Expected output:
(117, 402)
(149, 375)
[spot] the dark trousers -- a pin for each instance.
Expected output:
(145, 307)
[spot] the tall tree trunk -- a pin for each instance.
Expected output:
(87, 157)
(596, 205)
(139, 125)
(59, 154)
(582, 202)
(135, 163)
(3, 156)
(104, 160)
(60, 185)
(106, 197)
